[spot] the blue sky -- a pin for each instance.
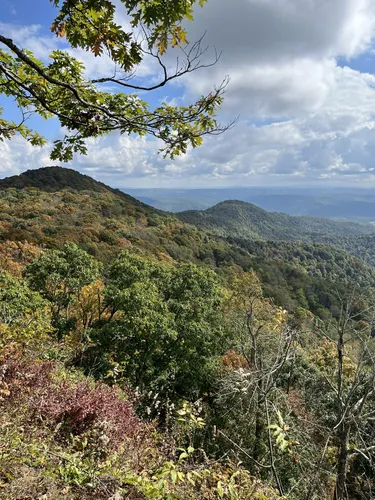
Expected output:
(27, 12)
(364, 63)
(302, 81)
(38, 15)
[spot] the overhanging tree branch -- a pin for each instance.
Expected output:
(61, 90)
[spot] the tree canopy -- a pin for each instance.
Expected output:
(60, 275)
(163, 326)
(250, 363)
(61, 88)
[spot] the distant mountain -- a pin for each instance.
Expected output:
(51, 206)
(171, 204)
(55, 179)
(230, 218)
(177, 200)
(235, 218)
(335, 203)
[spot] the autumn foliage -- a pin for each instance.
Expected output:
(75, 406)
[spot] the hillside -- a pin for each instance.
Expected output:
(54, 179)
(354, 204)
(245, 220)
(306, 274)
(103, 222)
(52, 205)
(362, 247)
(128, 365)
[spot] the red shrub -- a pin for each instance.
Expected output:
(80, 406)
(77, 406)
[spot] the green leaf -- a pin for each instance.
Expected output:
(220, 489)
(174, 476)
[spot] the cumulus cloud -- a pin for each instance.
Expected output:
(117, 157)
(281, 56)
(305, 113)
(18, 155)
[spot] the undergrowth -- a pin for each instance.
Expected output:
(63, 435)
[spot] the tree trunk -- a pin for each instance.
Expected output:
(342, 466)
(259, 415)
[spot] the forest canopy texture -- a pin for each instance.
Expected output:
(143, 356)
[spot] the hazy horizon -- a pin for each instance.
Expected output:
(356, 203)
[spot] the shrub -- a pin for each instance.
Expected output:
(73, 406)
(78, 407)
(24, 316)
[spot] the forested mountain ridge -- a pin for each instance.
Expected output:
(239, 220)
(52, 205)
(157, 360)
(245, 220)
(362, 246)
(353, 204)
(54, 179)
(230, 218)
(102, 221)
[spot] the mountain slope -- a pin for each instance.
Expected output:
(51, 206)
(104, 221)
(245, 220)
(55, 179)
(332, 203)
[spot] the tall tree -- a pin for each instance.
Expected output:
(60, 88)
(60, 275)
(353, 384)
(250, 387)
(163, 326)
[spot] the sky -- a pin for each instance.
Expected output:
(302, 82)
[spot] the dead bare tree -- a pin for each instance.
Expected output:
(264, 346)
(353, 384)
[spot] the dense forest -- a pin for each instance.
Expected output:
(245, 220)
(227, 354)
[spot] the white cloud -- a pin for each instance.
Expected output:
(281, 55)
(17, 155)
(119, 156)
(303, 116)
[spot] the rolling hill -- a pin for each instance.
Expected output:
(235, 218)
(50, 206)
(355, 204)
(54, 179)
